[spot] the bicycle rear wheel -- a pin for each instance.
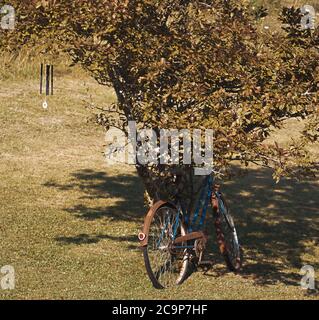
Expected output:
(227, 235)
(165, 263)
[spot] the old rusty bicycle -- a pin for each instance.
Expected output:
(172, 240)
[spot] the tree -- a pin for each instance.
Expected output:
(190, 64)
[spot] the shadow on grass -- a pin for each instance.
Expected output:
(125, 192)
(278, 224)
(84, 238)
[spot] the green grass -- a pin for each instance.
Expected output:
(68, 223)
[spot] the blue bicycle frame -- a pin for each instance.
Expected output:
(196, 221)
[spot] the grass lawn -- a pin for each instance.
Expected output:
(68, 223)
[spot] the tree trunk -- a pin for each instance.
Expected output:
(165, 182)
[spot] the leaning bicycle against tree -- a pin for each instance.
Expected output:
(173, 240)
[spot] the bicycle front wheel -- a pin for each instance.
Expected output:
(165, 263)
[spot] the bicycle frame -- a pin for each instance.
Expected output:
(201, 207)
(194, 224)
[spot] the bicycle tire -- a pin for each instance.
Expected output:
(157, 249)
(226, 234)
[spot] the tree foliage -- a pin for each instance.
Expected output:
(189, 64)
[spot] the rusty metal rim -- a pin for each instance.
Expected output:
(149, 217)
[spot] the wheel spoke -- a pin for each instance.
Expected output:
(167, 265)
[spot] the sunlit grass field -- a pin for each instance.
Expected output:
(69, 222)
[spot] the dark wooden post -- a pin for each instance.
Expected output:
(41, 78)
(47, 80)
(51, 79)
